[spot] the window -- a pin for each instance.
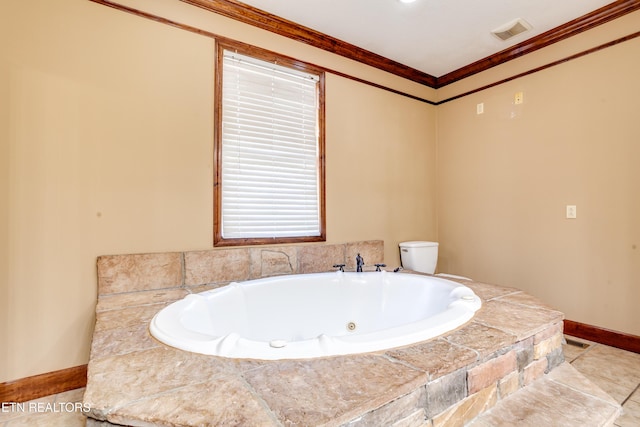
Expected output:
(269, 149)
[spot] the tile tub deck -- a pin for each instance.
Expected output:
(133, 379)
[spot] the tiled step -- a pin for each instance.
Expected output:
(563, 398)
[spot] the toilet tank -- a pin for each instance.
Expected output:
(419, 256)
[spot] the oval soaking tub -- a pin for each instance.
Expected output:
(313, 315)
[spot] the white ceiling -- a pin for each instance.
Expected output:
(433, 36)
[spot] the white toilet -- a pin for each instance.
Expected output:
(422, 257)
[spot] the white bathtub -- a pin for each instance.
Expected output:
(314, 315)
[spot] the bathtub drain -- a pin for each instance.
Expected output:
(351, 326)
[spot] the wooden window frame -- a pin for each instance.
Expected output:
(269, 56)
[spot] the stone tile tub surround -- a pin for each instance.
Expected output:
(134, 380)
(145, 272)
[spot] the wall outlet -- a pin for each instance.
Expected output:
(571, 212)
(518, 98)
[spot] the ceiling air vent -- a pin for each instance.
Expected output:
(511, 29)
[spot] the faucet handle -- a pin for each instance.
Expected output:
(339, 266)
(379, 265)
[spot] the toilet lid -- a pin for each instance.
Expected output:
(417, 244)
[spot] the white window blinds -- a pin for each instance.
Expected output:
(269, 172)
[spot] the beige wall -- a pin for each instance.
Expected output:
(106, 148)
(506, 176)
(380, 152)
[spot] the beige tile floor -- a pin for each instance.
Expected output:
(615, 371)
(58, 410)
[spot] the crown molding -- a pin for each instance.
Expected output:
(586, 22)
(266, 21)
